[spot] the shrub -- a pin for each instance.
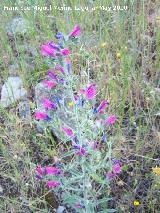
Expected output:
(82, 178)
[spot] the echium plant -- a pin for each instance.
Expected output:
(82, 178)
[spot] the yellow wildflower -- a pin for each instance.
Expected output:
(70, 104)
(136, 203)
(156, 170)
(103, 44)
(118, 55)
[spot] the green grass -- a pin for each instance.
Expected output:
(130, 83)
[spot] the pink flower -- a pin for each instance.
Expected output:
(47, 50)
(52, 170)
(102, 106)
(59, 68)
(78, 205)
(81, 152)
(110, 120)
(52, 184)
(82, 91)
(41, 116)
(39, 169)
(67, 131)
(52, 75)
(90, 92)
(39, 172)
(110, 175)
(49, 84)
(68, 60)
(65, 51)
(48, 104)
(76, 97)
(116, 168)
(75, 32)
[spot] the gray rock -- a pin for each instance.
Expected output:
(12, 90)
(13, 69)
(1, 189)
(60, 209)
(24, 110)
(17, 26)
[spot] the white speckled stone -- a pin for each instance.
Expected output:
(60, 209)
(12, 90)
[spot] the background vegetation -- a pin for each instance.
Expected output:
(121, 51)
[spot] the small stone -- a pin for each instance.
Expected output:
(1, 189)
(24, 110)
(60, 209)
(17, 25)
(12, 90)
(13, 69)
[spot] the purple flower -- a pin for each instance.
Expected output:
(65, 51)
(116, 169)
(75, 146)
(94, 110)
(57, 99)
(76, 97)
(52, 184)
(53, 45)
(115, 161)
(48, 104)
(67, 131)
(102, 106)
(110, 120)
(60, 44)
(110, 175)
(61, 80)
(75, 32)
(47, 50)
(68, 64)
(90, 92)
(49, 170)
(59, 35)
(104, 138)
(59, 68)
(75, 139)
(41, 116)
(52, 75)
(81, 151)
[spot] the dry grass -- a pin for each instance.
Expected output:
(126, 69)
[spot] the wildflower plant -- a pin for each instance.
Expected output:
(81, 176)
